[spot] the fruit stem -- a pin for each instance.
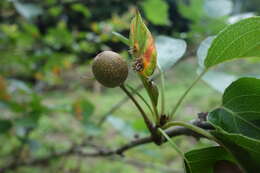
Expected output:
(146, 119)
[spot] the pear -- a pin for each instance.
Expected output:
(110, 69)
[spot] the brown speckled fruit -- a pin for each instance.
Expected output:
(110, 69)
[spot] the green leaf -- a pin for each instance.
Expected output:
(170, 50)
(240, 110)
(246, 150)
(213, 76)
(240, 40)
(5, 126)
(161, 8)
(207, 159)
(237, 122)
(122, 38)
(142, 46)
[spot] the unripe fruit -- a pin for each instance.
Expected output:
(110, 69)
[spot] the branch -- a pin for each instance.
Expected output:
(100, 152)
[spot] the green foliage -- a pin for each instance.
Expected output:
(237, 122)
(240, 111)
(161, 8)
(240, 40)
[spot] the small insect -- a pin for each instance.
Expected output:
(138, 65)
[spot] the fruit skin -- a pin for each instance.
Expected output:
(110, 69)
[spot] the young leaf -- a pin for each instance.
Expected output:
(206, 160)
(170, 50)
(240, 110)
(142, 45)
(240, 40)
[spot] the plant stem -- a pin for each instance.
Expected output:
(185, 94)
(191, 127)
(174, 146)
(146, 119)
(162, 91)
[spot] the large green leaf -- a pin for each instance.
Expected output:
(161, 8)
(206, 160)
(240, 110)
(170, 50)
(240, 40)
(214, 76)
(237, 122)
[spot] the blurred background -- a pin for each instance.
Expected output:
(49, 100)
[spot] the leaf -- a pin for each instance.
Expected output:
(213, 77)
(237, 122)
(218, 8)
(142, 45)
(206, 159)
(122, 38)
(246, 150)
(240, 110)
(170, 50)
(83, 109)
(240, 40)
(5, 125)
(28, 10)
(161, 8)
